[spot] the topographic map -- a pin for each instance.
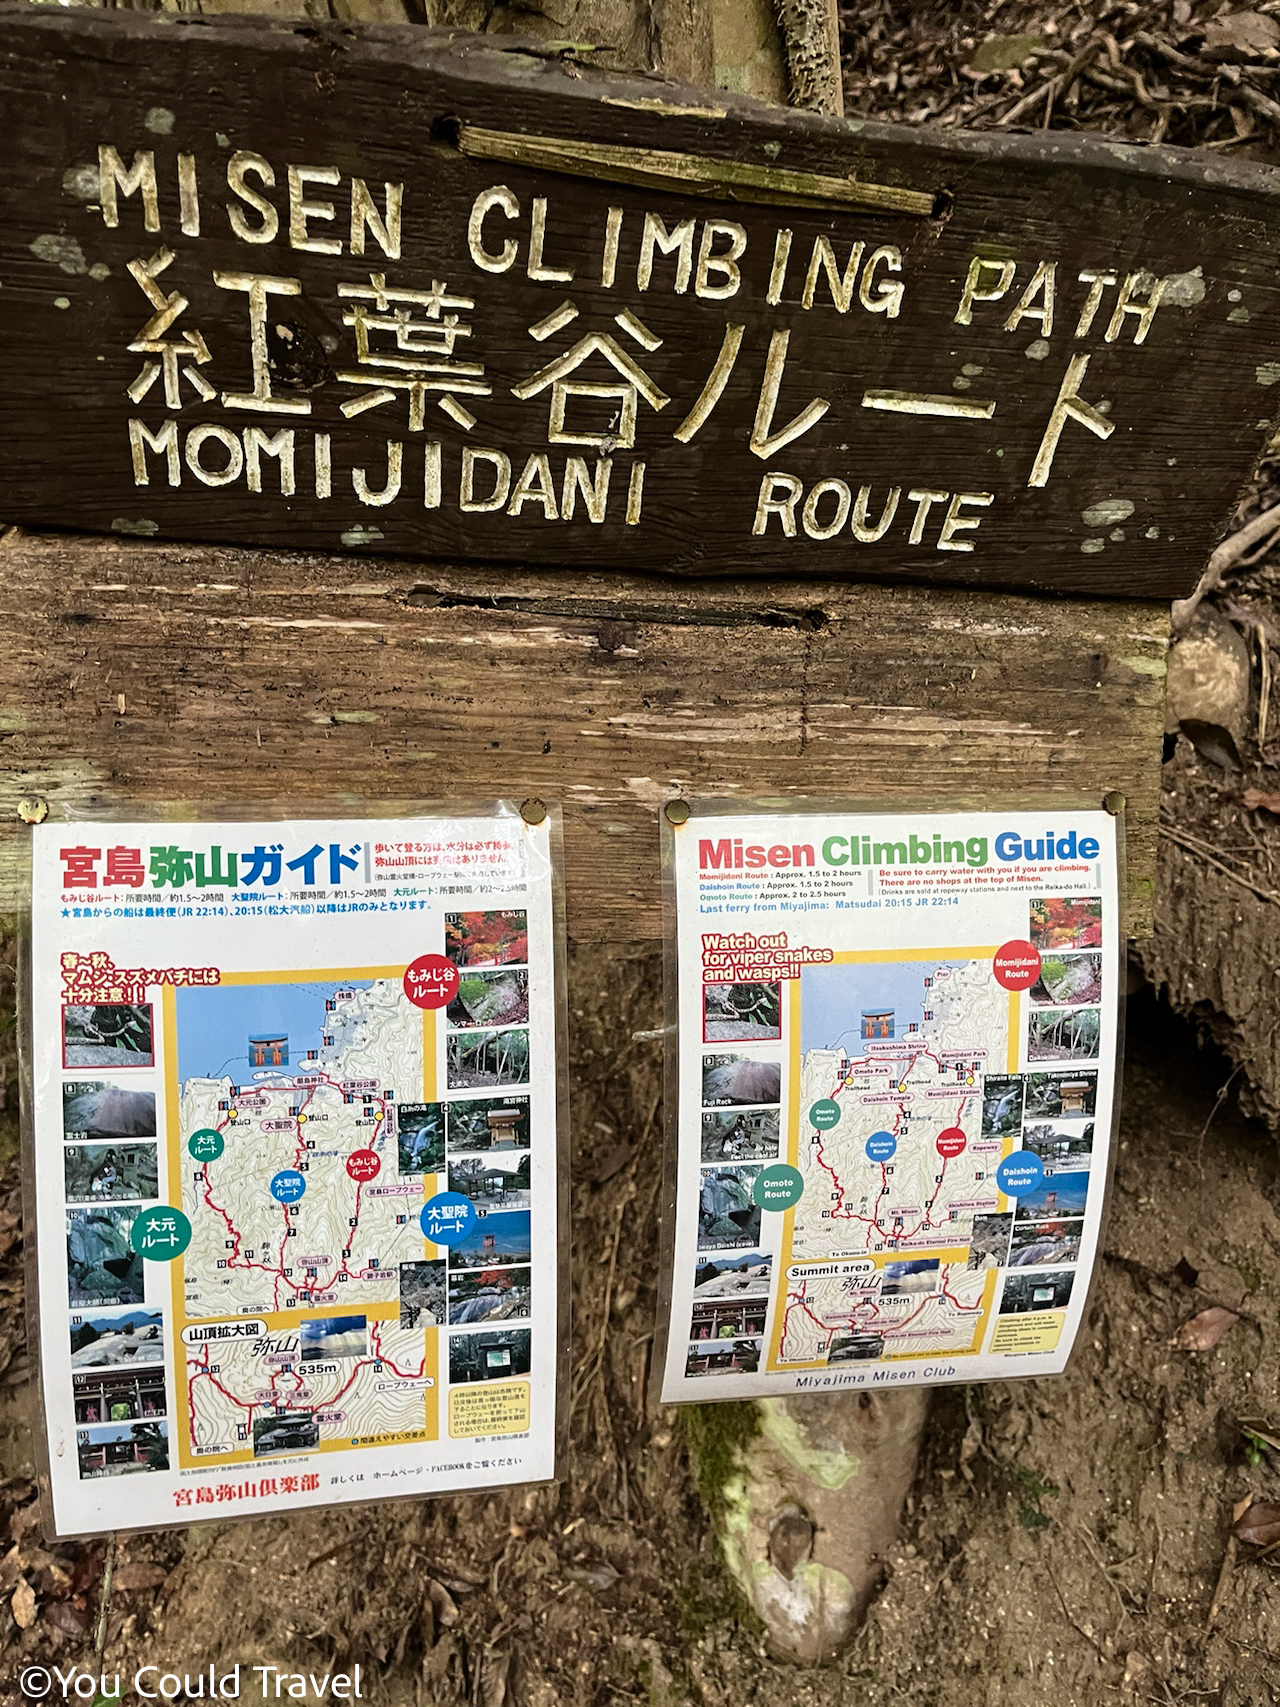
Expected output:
(893, 1157)
(290, 1295)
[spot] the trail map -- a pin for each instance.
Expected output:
(340, 1244)
(922, 1140)
(297, 1139)
(952, 1020)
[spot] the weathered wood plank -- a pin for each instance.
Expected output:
(146, 676)
(802, 372)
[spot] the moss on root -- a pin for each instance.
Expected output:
(717, 1436)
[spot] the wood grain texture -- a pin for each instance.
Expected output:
(1136, 493)
(747, 50)
(147, 677)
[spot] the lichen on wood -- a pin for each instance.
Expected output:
(811, 39)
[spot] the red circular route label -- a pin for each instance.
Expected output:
(951, 1141)
(1017, 965)
(431, 982)
(364, 1165)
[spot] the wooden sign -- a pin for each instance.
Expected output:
(405, 292)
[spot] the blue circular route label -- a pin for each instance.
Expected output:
(881, 1146)
(288, 1185)
(448, 1218)
(1020, 1173)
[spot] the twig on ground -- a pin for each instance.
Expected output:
(1252, 1647)
(1051, 90)
(1213, 1113)
(1080, 1630)
(1264, 680)
(1201, 850)
(1092, 1549)
(1228, 1570)
(104, 1596)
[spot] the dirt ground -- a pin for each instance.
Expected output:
(1081, 1533)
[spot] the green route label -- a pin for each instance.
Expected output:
(778, 1187)
(824, 1114)
(206, 1145)
(161, 1233)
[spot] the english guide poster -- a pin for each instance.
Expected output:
(896, 1049)
(294, 1132)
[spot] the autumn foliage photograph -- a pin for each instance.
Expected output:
(497, 938)
(1060, 922)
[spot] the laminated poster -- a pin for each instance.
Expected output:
(294, 1129)
(897, 1042)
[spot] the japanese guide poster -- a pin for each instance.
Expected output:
(295, 1126)
(896, 1049)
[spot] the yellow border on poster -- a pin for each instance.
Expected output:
(188, 1459)
(852, 957)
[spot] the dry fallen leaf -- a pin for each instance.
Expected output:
(67, 1618)
(1241, 36)
(458, 1585)
(970, 1447)
(442, 1604)
(494, 1667)
(1268, 1433)
(1135, 1665)
(1204, 1331)
(88, 1569)
(34, 1558)
(598, 1577)
(1003, 53)
(139, 1575)
(24, 1520)
(24, 1605)
(54, 1578)
(1258, 800)
(1260, 1524)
